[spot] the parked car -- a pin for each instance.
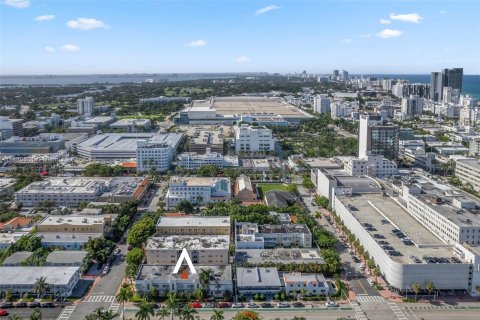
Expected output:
(223, 305)
(283, 305)
(208, 305)
(117, 251)
(21, 305)
(195, 305)
(331, 304)
(105, 270)
(47, 305)
(298, 305)
(370, 282)
(34, 304)
(6, 305)
(3, 313)
(252, 305)
(237, 305)
(267, 305)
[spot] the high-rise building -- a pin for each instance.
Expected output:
(85, 106)
(321, 103)
(376, 137)
(335, 74)
(412, 106)
(344, 75)
(451, 95)
(452, 78)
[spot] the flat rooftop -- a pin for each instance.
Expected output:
(207, 137)
(279, 255)
(189, 242)
(125, 142)
(258, 277)
(283, 228)
(321, 163)
(130, 122)
(194, 221)
(17, 257)
(153, 272)
(240, 105)
(28, 275)
(395, 217)
(66, 256)
(195, 181)
(303, 277)
(99, 120)
(72, 220)
(53, 237)
(66, 185)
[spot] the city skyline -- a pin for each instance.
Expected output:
(51, 37)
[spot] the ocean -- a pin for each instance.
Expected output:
(471, 83)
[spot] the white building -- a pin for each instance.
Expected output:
(373, 166)
(451, 95)
(154, 154)
(193, 161)
(251, 281)
(376, 137)
(61, 280)
(312, 284)
(198, 190)
(412, 106)
(85, 106)
(255, 236)
(321, 103)
(339, 110)
(253, 138)
(202, 250)
(164, 280)
(193, 225)
(469, 116)
(468, 171)
(132, 125)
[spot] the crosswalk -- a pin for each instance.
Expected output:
(114, 307)
(67, 311)
(369, 299)
(100, 299)
(397, 311)
(359, 314)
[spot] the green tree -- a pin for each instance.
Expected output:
(416, 289)
(40, 286)
(184, 206)
(171, 303)
(36, 315)
(205, 277)
(217, 315)
(246, 315)
(14, 317)
(141, 230)
(429, 286)
(98, 249)
(8, 295)
(124, 295)
(145, 311)
(163, 313)
(188, 313)
(207, 171)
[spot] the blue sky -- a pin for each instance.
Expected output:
(151, 36)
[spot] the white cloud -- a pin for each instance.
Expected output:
(346, 40)
(197, 43)
(19, 4)
(49, 49)
(45, 17)
(407, 17)
(86, 24)
(385, 21)
(242, 59)
(70, 47)
(266, 9)
(389, 33)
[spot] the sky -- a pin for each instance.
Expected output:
(154, 36)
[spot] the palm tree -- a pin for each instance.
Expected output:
(217, 315)
(171, 303)
(14, 317)
(36, 315)
(376, 273)
(187, 313)
(416, 289)
(108, 315)
(163, 313)
(205, 277)
(41, 286)
(124, 295)
(145, 311)
(429, 286)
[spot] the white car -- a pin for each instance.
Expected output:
(331, 304)
(283, 305)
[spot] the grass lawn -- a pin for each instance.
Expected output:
(263, 188)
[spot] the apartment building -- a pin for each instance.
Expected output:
(75, 224)
(376, 137)
(311, 284)
(203, 250)
(468, 171)
(251, 281)
(193, 225)
(253, 236)
(253, 138)
(198, 190)
(373, 166)
(193, 161)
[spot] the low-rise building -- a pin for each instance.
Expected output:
(164, 280)
(132, 125)
(193, 161)
(6, 186)
(15, 224)
(251, 281)
(202, 250)
(193, 225)
(198, 190)
(243, 189)
(468, 171)
(6, 239)
(204, 139)
(22, 146)
(67, 241)
(158, 152)
(20, 280)
(16, 259)
(373, 166)
(310, 284)
(75, 224)
(253, 236)
(65, 258)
